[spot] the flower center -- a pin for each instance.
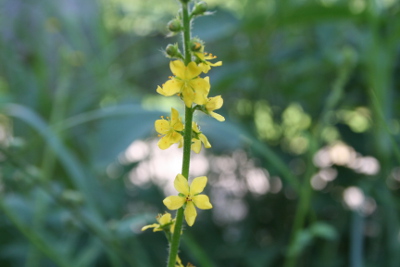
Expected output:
(188, 198)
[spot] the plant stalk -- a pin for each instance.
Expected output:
(187, 141)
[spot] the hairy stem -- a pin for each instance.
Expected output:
(187, 141)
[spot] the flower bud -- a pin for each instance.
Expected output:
(199, 8)
(195, 45)
(174, 25)
(173, 51)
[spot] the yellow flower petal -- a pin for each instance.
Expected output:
(200, 99)
(174, 202)
(180, 144)
(166, 218)
(150, 226)
(164, 143)
(178, 68)
(192, 70)
(209, 56)
(176, 120)
(174, 137)
(196, 90)
(171, 87)
(196, 145)
(174, 116)
(181, 184)
(160, 91)
(188, 97)
(195, 127)
(199, 55)
(202, 88)
(214, 103)
(162, 126)
(198, 185)
(178, 126)
(216, 64)
(204, 67)
(204, 139)
(200, 85)
(216, 116)
(202, 202)
(190, 213)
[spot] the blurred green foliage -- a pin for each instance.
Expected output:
(304, 172)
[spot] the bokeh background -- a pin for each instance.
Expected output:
(303, 172)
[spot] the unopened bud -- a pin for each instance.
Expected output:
(175, 25)
(173, 51)
(195, 46)
(199, 8)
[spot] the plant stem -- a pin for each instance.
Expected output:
(187, 141)
(186, 33)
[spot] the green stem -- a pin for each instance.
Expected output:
(187, 141)
(186, 33)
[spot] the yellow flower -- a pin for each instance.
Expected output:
(200, 138)
(204, 64)
(190, 196)
(163, 221)
(212, 104)
(170, 129)
(186, 82)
